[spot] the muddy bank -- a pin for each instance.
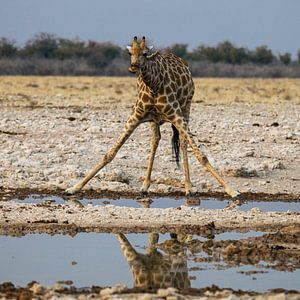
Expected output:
(21, 193)
(20, 218)
(279, 251)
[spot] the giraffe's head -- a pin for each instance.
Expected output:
(138, 54)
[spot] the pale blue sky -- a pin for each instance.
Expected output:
(249, 23)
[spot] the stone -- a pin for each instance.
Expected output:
(37, 288)
(163, 293)
(113, 290)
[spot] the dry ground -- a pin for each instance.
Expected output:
(53, 129)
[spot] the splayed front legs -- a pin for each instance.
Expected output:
(185, 137)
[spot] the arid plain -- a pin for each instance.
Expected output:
(53, 129)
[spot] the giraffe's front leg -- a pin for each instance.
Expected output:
(155, 138)
(180, 124)
(131, 124)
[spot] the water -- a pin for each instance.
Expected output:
(96, 259)
(165, 202)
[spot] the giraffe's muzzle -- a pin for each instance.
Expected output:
(134, 68)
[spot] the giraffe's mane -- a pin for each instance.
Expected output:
(153, 54)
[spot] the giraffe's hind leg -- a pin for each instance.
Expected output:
(187, 182)
(130, 126)
(155, 138)
(183, 130)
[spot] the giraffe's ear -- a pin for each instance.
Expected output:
(150, 47)
(128, 48)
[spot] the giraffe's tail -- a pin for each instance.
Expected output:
(176, 145)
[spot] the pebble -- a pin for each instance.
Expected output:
(112, 290)
(37, 288)
(163, 293)
(255, 210)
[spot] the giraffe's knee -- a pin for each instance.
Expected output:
(202, 158)
(108, 157)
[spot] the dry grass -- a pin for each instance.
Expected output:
(117, 92)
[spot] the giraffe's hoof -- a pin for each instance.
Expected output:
(71, 191)
(232, 193)
(144, 192)
(236, 194)
(189, 194)
(236, 202)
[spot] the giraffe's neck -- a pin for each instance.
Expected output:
(152, 72)
(127, 249)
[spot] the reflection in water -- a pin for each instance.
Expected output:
(232, 260)
(272, 259)
(156, 270)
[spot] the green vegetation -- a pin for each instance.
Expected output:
(48, 54)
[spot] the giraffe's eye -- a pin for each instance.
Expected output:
(129, 54)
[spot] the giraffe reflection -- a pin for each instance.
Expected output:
(153, 269)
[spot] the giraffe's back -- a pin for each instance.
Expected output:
(180, 74)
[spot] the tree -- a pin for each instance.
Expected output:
(240, 56)
(285, 58)
(204, 53)
(70, 48)
(228, 53)
(179, 50)
(7, 48)
(41, 45)
(225, 51)
(262, 55)
(101, 54)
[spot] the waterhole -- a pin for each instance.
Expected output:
(166, 202)
(253, 261)
(98, 259)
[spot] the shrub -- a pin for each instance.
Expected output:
(285, 58)
(101, 54)
(7, 48)
(47, 54)
(42, 45)
(70, 48)
(262, 55)
(179, 50)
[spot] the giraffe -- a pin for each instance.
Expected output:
(154, 270)
(165, 91)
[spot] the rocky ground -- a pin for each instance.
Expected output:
(37, 291)
(19, 218)
(53, 130)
